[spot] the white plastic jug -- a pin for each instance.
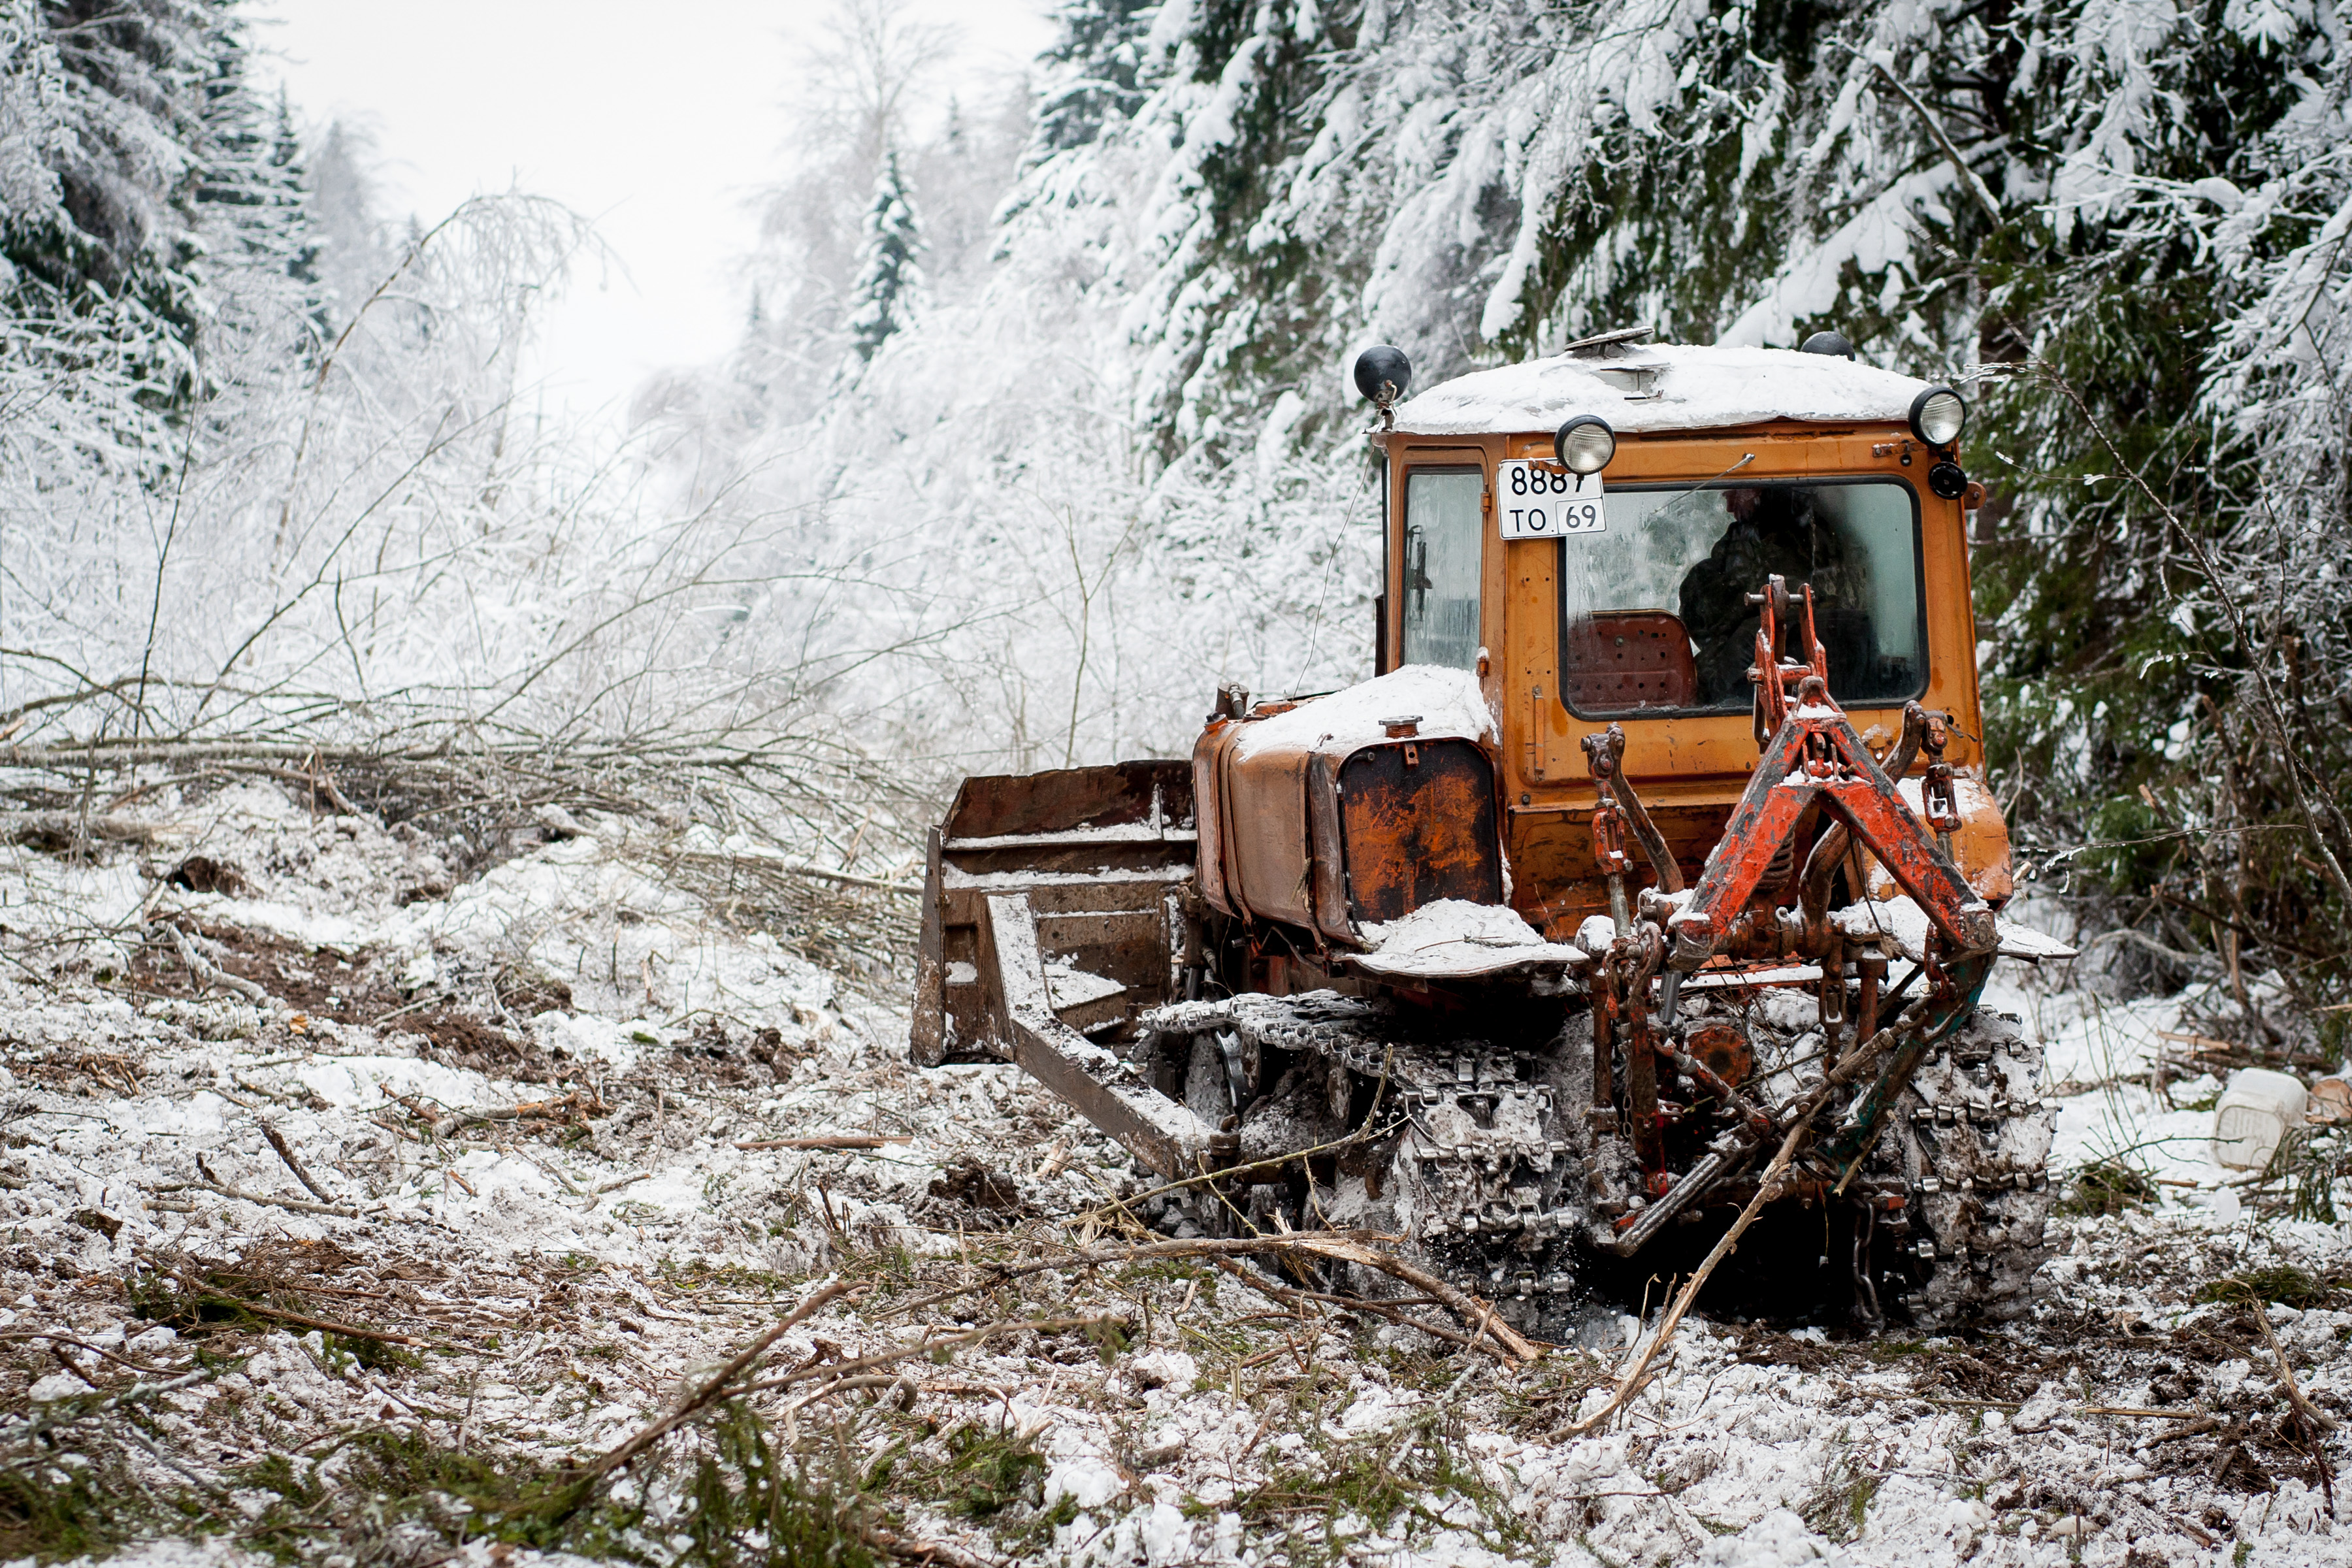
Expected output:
(2255, 1116)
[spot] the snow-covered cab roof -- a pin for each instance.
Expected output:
(1663, 388)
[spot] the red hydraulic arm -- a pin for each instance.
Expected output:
(1813, 755)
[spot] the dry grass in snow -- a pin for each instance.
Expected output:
(359, 1200)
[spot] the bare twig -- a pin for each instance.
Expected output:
(929, 1345)
(835, 1140)
(1479, 1315)
(1344, 1246)
(296, 1205)
(57, 1339)
(45, 1420)
(286, 1152)
(1392, 1310)
(325, 1325)
(2257, 665)
(209, 974)
(907, 1549)
(2313, 1422)
(1631, 1381)
(713, 1387)
(583, 1102)
(61, 830)
(1968, 180)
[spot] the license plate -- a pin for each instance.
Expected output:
(1544, 501)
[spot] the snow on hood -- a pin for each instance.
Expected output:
(1688, 389)
(1447, 703)
(1454, 939)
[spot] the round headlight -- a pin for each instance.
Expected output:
(1585, 444)
(1938, 416)
(1383, 374)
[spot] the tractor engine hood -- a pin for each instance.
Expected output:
(1353, 809)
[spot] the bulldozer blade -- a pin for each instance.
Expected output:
(1099, 852)
(1168, 1137)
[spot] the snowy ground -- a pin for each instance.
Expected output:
(551, 1279)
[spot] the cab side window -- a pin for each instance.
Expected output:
(1445, 532)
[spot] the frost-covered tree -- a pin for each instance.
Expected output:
(104, 108)
(889, 266)
(154, 213)
(1094, 73)
(356, 248)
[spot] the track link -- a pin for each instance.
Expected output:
(1974, 1151)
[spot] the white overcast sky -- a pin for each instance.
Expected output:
(660, 122)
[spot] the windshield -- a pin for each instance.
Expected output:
(1653, 607)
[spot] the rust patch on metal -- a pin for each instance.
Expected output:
(1069, 799)
(1723, 1050)
(1420, 824)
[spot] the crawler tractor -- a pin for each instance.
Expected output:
(1659, 835)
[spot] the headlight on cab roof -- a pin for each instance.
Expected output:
(1937, 416)
(1585, 444)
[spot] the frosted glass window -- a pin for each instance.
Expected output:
(1444, 529)
(1653, 611)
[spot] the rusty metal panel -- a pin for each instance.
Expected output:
(1980, 848)
(1208, 766)
(1329, 848)
(1265, 802)
(1419, 823)
(964, 1034)
(1102, 844)
(962, 896)
(1122, 794)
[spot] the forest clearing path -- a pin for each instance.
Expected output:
(351, 1208)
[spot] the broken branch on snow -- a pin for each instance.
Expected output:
(1340, 1246)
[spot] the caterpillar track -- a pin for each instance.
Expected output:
(1469, 1153)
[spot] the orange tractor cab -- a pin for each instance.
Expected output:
(1659, 836)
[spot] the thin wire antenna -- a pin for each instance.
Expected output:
(1330, 567)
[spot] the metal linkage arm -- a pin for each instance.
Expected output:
(1816, 756)
(1166, 1136)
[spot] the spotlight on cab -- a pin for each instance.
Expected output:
(1585, 444)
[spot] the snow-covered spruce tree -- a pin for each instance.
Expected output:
(103, 105)
(889, 269)
(142, 175)
(1094, 72)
